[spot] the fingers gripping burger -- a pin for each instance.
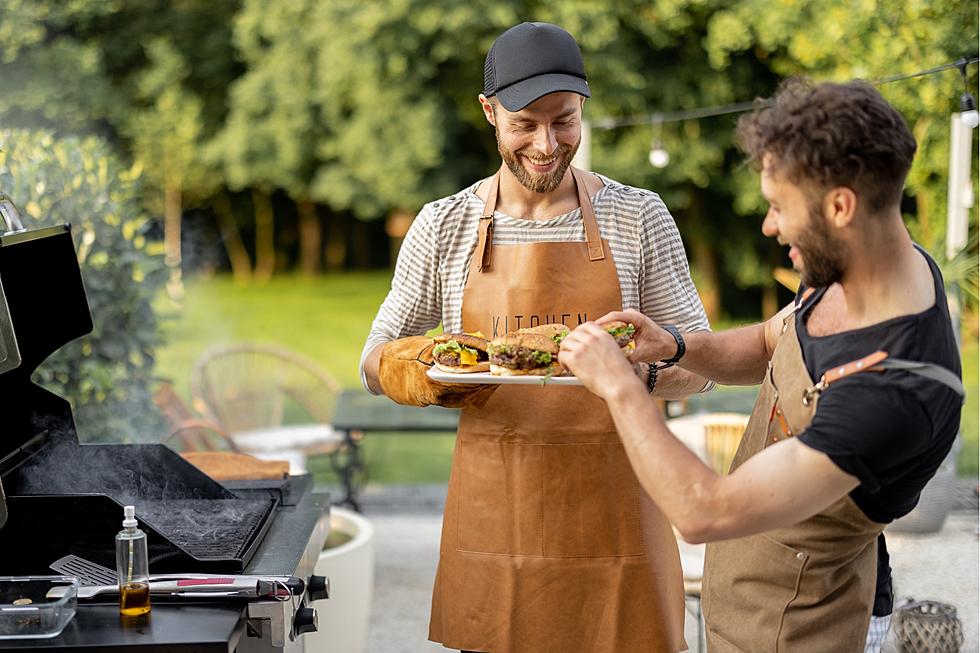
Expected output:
(518, 354)
(622, 333)
(460, 353)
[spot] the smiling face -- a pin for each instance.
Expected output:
(796, 218)
(538, 142)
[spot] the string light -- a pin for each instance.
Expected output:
(968, 105)
(659, 157)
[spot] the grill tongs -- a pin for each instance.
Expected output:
(203, 586)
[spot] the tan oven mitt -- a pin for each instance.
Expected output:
(402, 373)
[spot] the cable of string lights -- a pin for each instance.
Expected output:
(741, 107)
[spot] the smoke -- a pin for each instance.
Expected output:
(174, 499)
(128, 473)
(206, 529)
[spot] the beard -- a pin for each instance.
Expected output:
(533, 181)
(823, 255)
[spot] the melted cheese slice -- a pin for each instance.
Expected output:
(467, 357)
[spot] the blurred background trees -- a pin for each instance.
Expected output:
(290, 134)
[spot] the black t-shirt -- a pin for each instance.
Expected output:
(889, 429)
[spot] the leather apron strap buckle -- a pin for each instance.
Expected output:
(866, 364)
(814, 391)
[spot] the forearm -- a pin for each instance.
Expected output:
(733, 357)
(780, 486)
(680, 484)
(371, 365)
(676, 383)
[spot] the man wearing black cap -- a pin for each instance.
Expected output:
(548, 544)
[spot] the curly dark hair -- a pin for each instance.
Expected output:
(829, 135)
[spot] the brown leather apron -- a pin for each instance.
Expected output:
(548, 543)
(809, 587)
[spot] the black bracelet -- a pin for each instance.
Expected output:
(651, 377)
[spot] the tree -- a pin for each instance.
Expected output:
(165, 132)
(107, 375)
(270, 136)
(830, 41)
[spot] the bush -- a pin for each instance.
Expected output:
(106, 375)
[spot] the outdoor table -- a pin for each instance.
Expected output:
(359, 413)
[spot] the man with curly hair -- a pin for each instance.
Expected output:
(860, 398)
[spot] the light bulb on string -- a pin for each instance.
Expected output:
(968, 105)
(968, 111)
(659, 157)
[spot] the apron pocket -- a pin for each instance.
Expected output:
(591, 501)
(499, 508)
(749, 582)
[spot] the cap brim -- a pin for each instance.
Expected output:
(520, 94)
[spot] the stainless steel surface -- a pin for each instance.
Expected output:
(248, 588)
(279, 553)
(269, 620)
(271, 623)
(3, 506)
(9, 353)
(10, 214)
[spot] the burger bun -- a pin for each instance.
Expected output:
(482, 366)
(552, 369)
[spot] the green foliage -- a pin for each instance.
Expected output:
(165, 126)
(968, 463)
(828, 40)
(369, 107)
(107, 375)
(325, 318)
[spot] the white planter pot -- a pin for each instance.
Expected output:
(344, 617)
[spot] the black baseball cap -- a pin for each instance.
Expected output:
(531, 60)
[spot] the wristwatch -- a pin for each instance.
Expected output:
(681, 347)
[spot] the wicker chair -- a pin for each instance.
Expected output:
(188, 431)
(274, 403)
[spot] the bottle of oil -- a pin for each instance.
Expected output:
(132, 567)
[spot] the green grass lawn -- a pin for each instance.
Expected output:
(327, 319)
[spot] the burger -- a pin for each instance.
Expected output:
(520, 354)
(461, 353)
(556, 332)
(622, 333)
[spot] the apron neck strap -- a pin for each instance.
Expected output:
(485, 245)
(592, 236)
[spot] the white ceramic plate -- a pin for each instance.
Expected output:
(485, 378)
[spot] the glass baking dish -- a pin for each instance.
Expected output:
(27, 612)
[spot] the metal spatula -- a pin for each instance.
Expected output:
(88, 572)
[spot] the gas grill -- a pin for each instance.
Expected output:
(59, 497)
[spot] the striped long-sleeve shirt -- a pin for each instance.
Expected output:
(433, 263)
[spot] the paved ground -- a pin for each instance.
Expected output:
(942, 566)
